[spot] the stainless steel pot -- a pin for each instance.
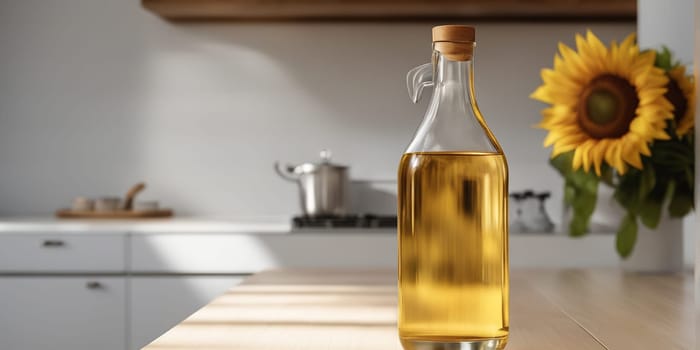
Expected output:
(323, 187)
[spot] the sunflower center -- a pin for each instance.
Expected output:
(675, 96)
(602, 107)
(607, 106)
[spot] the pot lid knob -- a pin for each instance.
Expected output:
(326, 156)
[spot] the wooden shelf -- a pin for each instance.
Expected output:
(391, 9)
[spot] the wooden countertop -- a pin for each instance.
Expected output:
(338, 310)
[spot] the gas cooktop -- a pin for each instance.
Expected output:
(346, 221)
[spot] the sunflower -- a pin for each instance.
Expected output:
(681, 92)
(607, 104)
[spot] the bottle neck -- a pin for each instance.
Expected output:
(453, 120)
(454, 80)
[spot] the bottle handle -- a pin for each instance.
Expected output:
(419, 78)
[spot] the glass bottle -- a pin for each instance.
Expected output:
(452, 211)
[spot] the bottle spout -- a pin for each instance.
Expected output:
(419, 78)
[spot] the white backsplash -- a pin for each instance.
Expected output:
(373, 197)
(103, 94)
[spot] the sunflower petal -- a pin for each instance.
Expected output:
(628, 43)
(542, 94)
(631, 155)
(559, 81)
(558, 133)
(576, 163)
(644, 148)
(586, 154)
(579, 68)
(598, 154)
(619, 163)
(648, 96)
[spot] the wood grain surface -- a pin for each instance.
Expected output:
(339, 310)
(390, 9)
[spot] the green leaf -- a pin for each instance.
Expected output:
(584, 181)
(578, 226)
(650, 213)
(664, 59)
(583, 202)
(670, 189)
(563, 163)
(580, 192)
(626, 192)
(681, 204)
(626, 235)
(649, 198)
(569, 193)
(646, 182)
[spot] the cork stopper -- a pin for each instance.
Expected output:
(455, 42)
(454, 33)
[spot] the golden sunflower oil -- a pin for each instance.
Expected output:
(452, 211)
(453, 261)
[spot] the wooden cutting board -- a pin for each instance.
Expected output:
(126, 212)
(119, 214)
(353, 310)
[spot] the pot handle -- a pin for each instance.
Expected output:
(285, 172)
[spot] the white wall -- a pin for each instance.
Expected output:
(98, 94)
(667, 23)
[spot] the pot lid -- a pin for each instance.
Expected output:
(325, 162)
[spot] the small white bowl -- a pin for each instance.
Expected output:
(82, 204)
(108, 204)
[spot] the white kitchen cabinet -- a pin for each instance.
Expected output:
(195, 253)
(62, 313)
(63, 252)
(160, 302)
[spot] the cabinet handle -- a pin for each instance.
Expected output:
(94, 285)
(50, 243)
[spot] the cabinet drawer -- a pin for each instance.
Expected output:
(250, 253)
(198, 253)
(98, 252)
(62, 313)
